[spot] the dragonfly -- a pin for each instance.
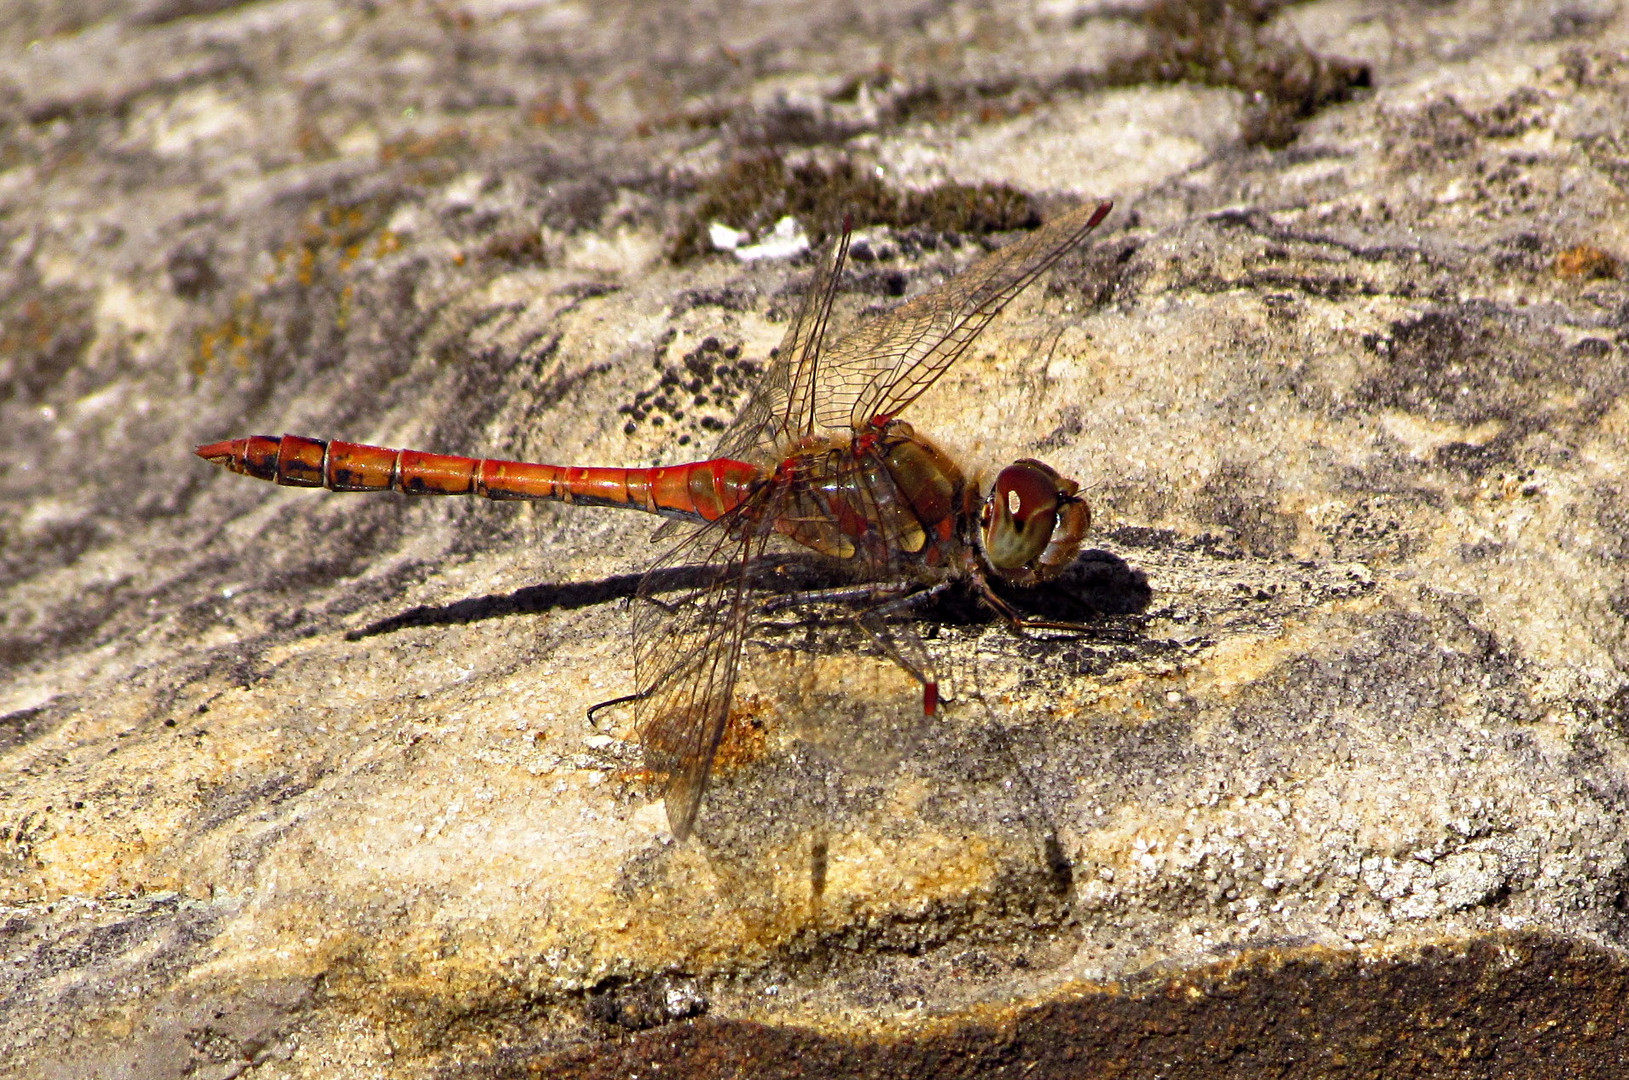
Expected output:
(817, 459)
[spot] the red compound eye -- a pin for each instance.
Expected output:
(1023, 511)
(1033, 523)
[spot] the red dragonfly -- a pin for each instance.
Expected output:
(817, 455)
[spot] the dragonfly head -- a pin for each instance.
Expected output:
(1033, 523)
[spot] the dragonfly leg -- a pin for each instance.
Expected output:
(903, 647)
(842, 594)
(901, 644)
(662, 606)
(911, 600)
(1019, 623)
(623, 700)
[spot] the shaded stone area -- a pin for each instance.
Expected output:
(1504, 1007)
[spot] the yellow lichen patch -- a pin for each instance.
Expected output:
(334, 240)
(238, 339)
(347, 303)
(721, 913)
(874, 876)
(1586, 261)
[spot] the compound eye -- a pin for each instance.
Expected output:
(1022, 514)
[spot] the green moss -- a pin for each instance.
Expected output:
(1227, 43)
(754, 192)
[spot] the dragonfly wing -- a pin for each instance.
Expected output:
(882, 365)
(781, 409)
(687, 652)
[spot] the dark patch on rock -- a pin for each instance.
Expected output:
(726, 298)
(45, 332)
(1228, 43)
(709, 383)
(159, 12)
(18, 727)
(192, 271)
(1477, 363)
(1507, 1006)
(523, 247)
(754, 192)
(576, 203)
(1236, 500)
(644, 1004)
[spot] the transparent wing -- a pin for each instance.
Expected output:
(782, 405)
(781, 409)
(851, 505)
(882, 365)
(687, 652)
(857, 703)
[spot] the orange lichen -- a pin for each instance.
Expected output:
(550, 108)
(1586, 261)
(334, 239)
(239, 338)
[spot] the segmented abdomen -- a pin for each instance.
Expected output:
(700, 491)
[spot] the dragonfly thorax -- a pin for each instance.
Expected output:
(1032, 523)
(885, 496)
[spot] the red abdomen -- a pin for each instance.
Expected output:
(700, 491)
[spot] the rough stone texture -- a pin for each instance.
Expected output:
(300, 784)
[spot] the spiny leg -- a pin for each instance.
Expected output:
(1019, 623)
(841, 594)
(902, 645)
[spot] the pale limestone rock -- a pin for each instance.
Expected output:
(304, 783)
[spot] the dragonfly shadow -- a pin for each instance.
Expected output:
(802, 845)
(779, 573)
(1098, 583)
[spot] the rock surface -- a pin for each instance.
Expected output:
(301, 784)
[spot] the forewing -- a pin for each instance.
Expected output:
(780, 409)
(782, 406)
(882, 365)
(687, 652)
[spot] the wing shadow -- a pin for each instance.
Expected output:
(773, 574)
